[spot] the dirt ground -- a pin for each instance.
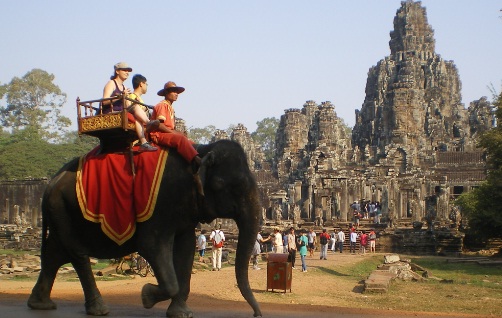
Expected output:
(215, 294)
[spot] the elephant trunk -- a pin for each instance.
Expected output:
(248, 229)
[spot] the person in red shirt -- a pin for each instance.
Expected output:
(167, 135)
(324, 239)
(372, 238)
(363, 242)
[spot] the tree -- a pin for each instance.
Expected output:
(264, 135)
(34, 106)
(83, 143)
(481, 206)
(201, 135)
(20, 159)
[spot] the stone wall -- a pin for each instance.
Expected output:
(20, 201)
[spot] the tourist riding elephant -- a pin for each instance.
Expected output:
(166, 240)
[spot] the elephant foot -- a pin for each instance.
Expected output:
(96, 307)
(179, 309)
(35, 302)
(179, 314)
(151, 294)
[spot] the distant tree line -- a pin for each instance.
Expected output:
(35, 140)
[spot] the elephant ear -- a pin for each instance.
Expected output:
(207, 161)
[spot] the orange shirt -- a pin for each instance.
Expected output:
(164, 111)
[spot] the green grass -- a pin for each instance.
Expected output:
(475, 289)
(18, 252)
(100, 278)
(463, 273)
(357, 271)
(102, 263)
(20, 277)
(361, 270)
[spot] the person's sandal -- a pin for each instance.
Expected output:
(147, 147)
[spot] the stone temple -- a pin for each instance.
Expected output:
(412, 149)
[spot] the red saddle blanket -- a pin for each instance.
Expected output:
(109, 193)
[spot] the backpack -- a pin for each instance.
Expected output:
(323, 239)
(217, 240)
(372, 236)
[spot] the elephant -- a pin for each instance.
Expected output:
(166, 240)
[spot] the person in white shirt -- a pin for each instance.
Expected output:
(218, 238)
(312, 241)
(201, 245)
(257, 250)
(277, 241)
(340, 239)
(292, 246)
(333, 240)
(353, 241)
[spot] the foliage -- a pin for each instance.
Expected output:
(82, 143)
(24, 158)
(34, 105)
(264, 135)
(481, 206)
(202, 135)
(467, 273)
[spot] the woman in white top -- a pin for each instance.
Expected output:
(277, 241)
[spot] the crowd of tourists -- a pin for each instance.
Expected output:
(293, 242)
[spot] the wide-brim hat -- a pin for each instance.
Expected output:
(170, 87)
(122, 66)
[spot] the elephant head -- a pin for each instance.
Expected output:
(231, 192)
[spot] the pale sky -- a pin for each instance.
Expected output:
(240, 61)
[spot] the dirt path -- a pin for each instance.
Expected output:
(215, 294)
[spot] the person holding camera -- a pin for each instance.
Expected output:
(303, 241)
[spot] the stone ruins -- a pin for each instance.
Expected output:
(413, 144)
(412, 149)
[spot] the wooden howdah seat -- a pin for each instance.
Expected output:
(116, 130)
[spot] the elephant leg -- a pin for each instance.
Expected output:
(51, 260)
(184, 251)
(161, 261)
(78, 252)
(94, 304)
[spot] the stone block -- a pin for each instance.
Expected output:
(378, 281)
(391, 258)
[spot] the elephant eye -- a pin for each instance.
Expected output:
(217, 183)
